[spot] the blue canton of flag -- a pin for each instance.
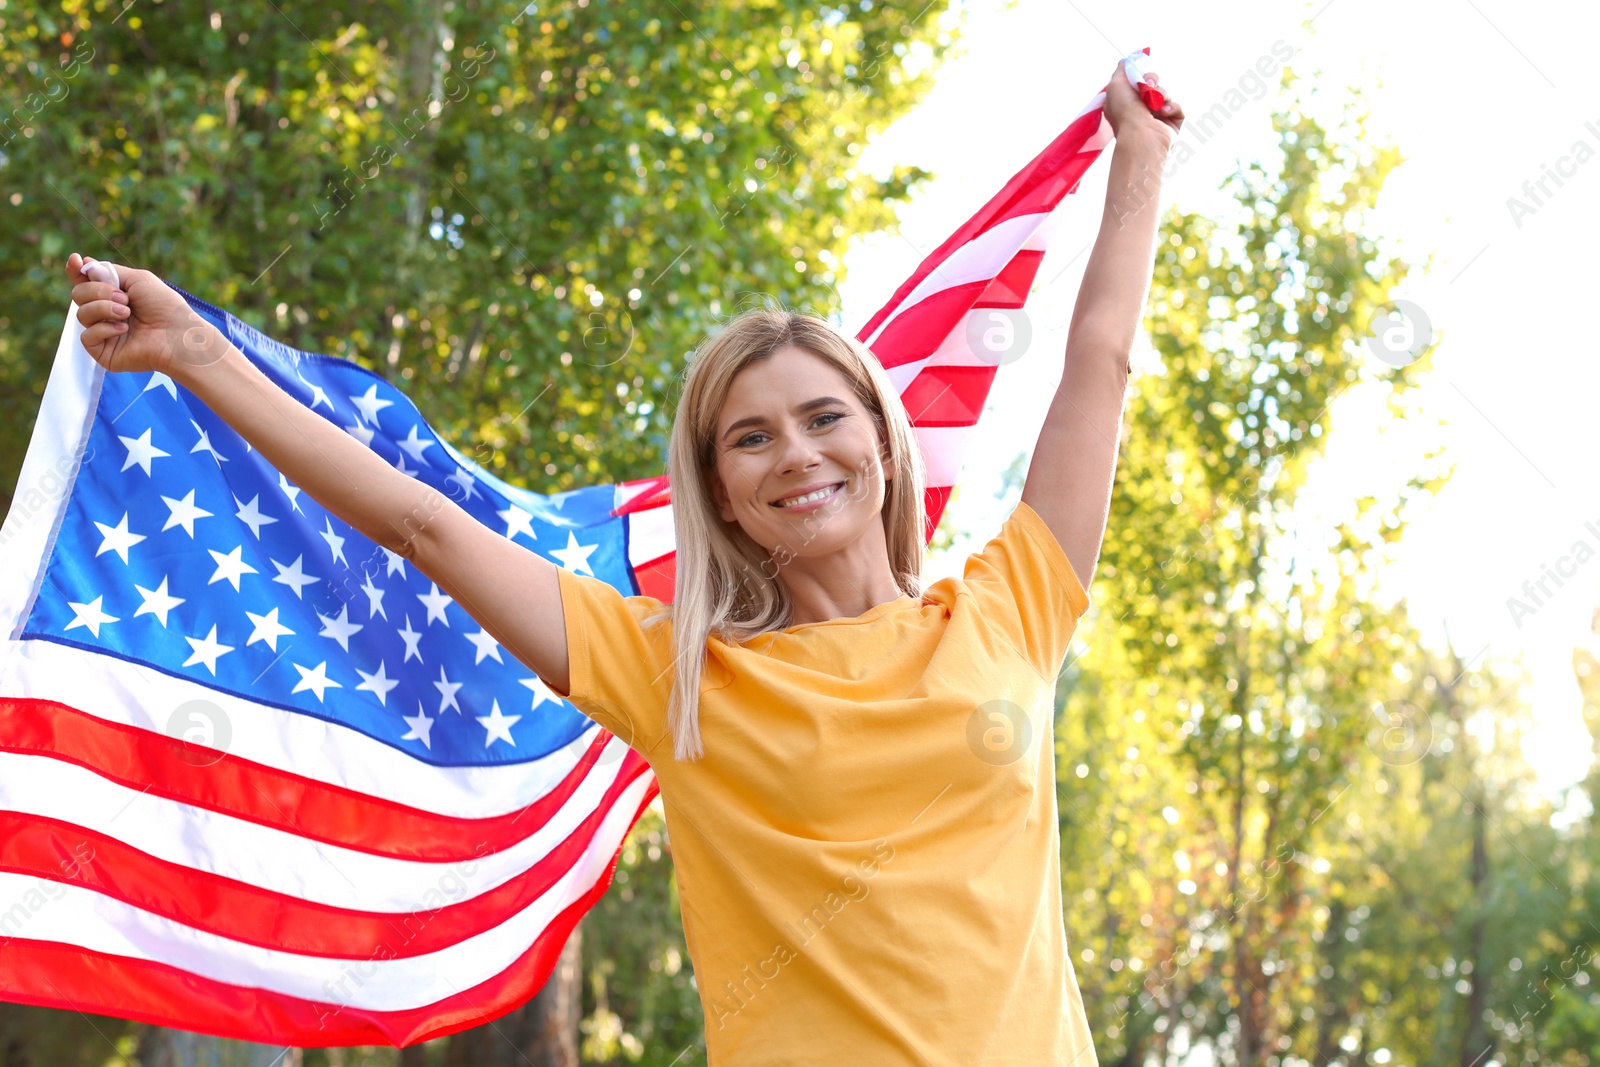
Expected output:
(182, 550)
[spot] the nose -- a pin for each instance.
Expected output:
(798, 453)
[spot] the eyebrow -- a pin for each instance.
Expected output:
(800, 409)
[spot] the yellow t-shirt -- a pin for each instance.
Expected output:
(868, 854)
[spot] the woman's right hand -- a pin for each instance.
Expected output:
(143, 325)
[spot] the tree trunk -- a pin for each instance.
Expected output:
(1334, 1012)
(161, 1047)
(541, 1033)
(1475, 1041)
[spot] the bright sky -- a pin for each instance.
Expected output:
(1480, 97)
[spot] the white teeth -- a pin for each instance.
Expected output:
(809, 497)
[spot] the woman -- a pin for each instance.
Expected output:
(857, 773)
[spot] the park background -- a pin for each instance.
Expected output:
(1324, 743)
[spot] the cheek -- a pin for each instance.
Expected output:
(738, 478)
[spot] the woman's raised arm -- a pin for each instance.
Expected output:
(514, 594)
(1074, 463)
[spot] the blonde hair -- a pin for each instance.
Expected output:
(722, 582)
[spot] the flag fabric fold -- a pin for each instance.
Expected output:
(260, 777)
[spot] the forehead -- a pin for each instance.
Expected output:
(774, 385)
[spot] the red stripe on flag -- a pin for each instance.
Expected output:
(1039, 186)
(948, 396)
(1010, 287)
(913, 337)
(658, 578)
(62, 852)
(166, 767)
(61, 976)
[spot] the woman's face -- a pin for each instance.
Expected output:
(791, 424)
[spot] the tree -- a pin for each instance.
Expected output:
(1225, 706)
(509, 209)
(526, 215)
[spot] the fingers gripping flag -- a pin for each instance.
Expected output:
(259, 777)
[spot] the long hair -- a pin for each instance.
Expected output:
(725, 582)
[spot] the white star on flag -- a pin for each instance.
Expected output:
(316, 679)
(420, 725)
(498, 726)
(435, 602)
(339, 629)
(369, 404)
(468, 484)
(89, 615)
(541, 691)
(378, 682)
(293, 577)
(230, 567)
(486, 646)
(447, 692)
(335, 542)
(118, 539)
(140, 451)
(317, 394)
(251, 515)
(414, 446)
(517, 521)
(575, 557)
(207, 651)
(160, 381)
(205, 445)
(290, 490)
(157, 602)
(267, 628)
(374, 599)
(410, 637)
(183, 513)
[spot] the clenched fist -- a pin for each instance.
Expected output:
(133, 321)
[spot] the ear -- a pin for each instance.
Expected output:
(888, 463)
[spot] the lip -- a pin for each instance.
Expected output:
(802, 492)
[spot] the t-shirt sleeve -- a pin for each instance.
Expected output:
(616, 664)
(1026, 586)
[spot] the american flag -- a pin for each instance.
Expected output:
(259, 777)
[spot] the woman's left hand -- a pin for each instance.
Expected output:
(1125, 110)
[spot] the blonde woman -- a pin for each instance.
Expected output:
(857, 771)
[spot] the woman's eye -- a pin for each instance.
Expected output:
(832, 417)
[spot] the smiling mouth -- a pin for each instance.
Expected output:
(820, 494)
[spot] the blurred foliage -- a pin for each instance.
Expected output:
(1291, 832)
(526, 216)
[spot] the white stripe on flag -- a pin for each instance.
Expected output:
(273, 859)
(980, 259)
(322, 751)
(90, 920)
